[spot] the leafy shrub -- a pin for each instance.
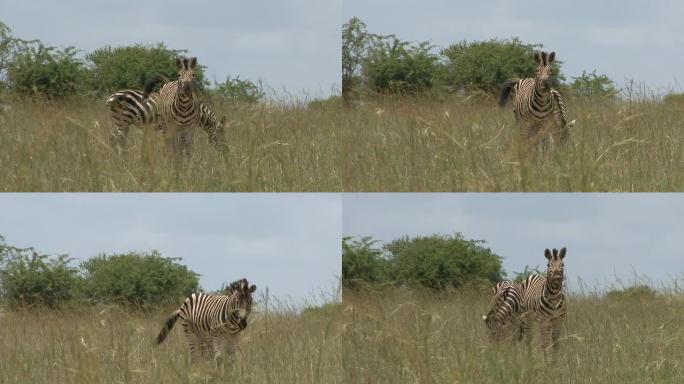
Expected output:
(31, 279)
(637, 292)
(55, 73)
(485, 65)
(594, 87)
(362, 261)
(237, 91)
(397, 66)
(520, 276)
(138, 280)
(440, 261)
(124, 67)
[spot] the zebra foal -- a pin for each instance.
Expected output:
(536, 104)
(210, 319)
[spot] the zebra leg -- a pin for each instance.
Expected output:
(217, 343)
(545, 335)
(190, 337)
(555, 335)
(185, 141)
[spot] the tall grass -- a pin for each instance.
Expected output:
(470, 144)
(109, 345)
(406, 336)
(48, 146)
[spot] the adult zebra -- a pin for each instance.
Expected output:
(543, 300)
(209, 318)
(129, 107)
(535, 101)
(178, 106)
(504, 309)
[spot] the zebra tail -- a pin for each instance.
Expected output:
(506, 89)
(168, 324)
(151, 83)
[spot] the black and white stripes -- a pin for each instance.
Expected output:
(177, 104)
(536, 103)
(209, 319)
(129, 107)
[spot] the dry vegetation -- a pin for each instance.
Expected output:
(64, 147)
(470, 144)
(404, 336)
(109, 345)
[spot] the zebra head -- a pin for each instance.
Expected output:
(554, 271)
(242, 296)
(544, 73)
(186, 74)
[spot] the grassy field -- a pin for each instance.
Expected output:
(403, 336)
(418, 144)
(108, 345)
(65, 147)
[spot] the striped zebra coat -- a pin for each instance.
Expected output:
(542, 299)
(536, 104)
(504, 310)
(177, 104)
(129, 107)
(210, 319)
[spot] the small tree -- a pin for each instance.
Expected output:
(355, 43)
(439, 261)
(237, 91)
(361, 260)
(126, 67)
(485, 65)
(37, 70)
(137, 280)
(30, 279)
(594, 87)
(397, 66)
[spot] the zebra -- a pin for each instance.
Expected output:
(129, 107)
(535, 100)
(504, 309)
(178, 106)
(542, 299)
(210, 318)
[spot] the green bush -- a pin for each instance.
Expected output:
(30, 279)
(237, 91)
(37, 70)
(361, 260)
(485, 65)
(396, 66)
(126, 67)
(440, 261)
(594, 87)
(137, 280)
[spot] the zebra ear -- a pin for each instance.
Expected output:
(252, 288)
(537, 57)
(547, 254)
(179, 63)
(193, 62)
(562, 253)
(552, 57)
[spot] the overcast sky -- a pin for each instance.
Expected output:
(636, 39)
(289, 243)
(606, 235)
(291, 44)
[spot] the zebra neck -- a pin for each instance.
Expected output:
(553, 295)
(541, 99)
